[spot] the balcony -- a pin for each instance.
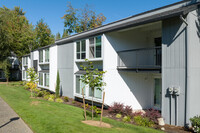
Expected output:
(144, 59)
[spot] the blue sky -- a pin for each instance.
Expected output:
(52, 10)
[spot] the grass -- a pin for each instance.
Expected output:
(50, 117)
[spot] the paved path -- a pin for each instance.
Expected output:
(10, 121)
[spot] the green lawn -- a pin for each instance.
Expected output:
(51, 117)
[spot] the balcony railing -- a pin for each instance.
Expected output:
(140, 59)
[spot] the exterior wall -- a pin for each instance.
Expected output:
(136, 38)
(173, 69)
(53, 67)
(26, 67)
(130, 88)
(36, 55)
(193, 90)
(65, 66)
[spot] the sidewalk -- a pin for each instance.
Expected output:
(10, 122)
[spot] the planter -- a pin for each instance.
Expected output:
(161, 121)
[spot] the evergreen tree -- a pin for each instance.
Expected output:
(58, 85)
(58, 36)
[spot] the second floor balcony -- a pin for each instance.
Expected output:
(144, 59)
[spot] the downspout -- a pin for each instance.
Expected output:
(187, 72)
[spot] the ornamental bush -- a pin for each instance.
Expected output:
(66, 99)
(143, 121)
(153, 115)
(59, 100)
(126, 119)
(116, 108)
(195, 121)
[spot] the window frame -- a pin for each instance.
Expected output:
(46, 60)
(45, 80)
(86, 90)
(95, 47)
(80, 52)
(39, 83)
(80, 85)
(41, 59)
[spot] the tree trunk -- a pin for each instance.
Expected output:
(102, 107)
(84, 104)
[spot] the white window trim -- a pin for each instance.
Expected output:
(43, 86)
(95, 58)
(87, 92)
(87, 50)
(80, 41)
(45, 55)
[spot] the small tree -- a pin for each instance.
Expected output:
(32, 75)
(57, 85)
(93, 78)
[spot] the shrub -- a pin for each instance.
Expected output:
(45, 92)
(89, 114)
(143, 121)
(126, 119)
(195, 121)
(59, 100)
(51, 99)
(73, 102)
(116, 108)
(40, 94)
(118, 116)
(52, 96)
(86, 106)
(46, 97)
(26, 87)
(96, 110)
(139, 113)
(66, 99)
(153, 115)
(127, 111)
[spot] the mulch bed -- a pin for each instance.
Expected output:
(168, 128)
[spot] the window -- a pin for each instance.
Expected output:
(24, 74)
(41, 79)
(81, 50)
(25, 60)
(97, 93)
(95, 47)
(46, 55)
(46, 78)
(40, 56)
(158, 93)
(79, 85)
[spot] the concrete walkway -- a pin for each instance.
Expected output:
(10, 122)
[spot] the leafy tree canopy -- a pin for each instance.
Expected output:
(19, 36)
(43, 34)
(79, 20)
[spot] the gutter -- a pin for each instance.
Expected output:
(187, 72)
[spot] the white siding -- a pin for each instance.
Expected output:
(53, 67)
